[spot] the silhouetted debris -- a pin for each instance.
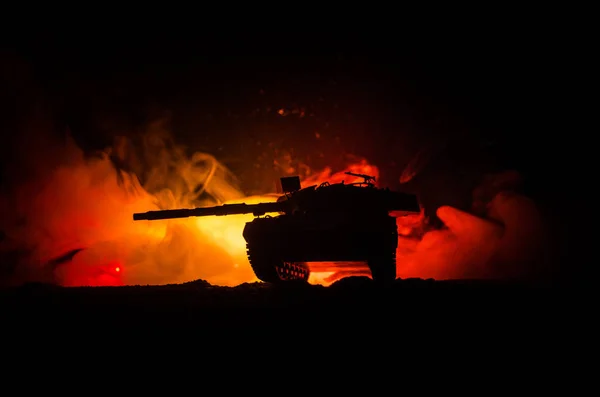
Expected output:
(353, 283)
(414, 282)
(66, 257)
(198, 284)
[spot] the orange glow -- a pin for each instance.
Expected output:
(92, 206)
(85, 206)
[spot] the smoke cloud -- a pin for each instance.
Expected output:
(66, 215)
(507, 243)
(71, 222)
(84, 205)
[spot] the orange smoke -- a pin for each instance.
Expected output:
(73, 224)
(84, 207)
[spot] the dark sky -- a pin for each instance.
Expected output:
(479, 99)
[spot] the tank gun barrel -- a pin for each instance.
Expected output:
(365, 176)
(368, 179)
(225, 209)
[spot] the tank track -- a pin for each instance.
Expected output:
(268, 268)
(272, 270)
(383, 268)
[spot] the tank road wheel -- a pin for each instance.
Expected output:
(383, 268)
(293, 271)
(263, 266)
(272, 270)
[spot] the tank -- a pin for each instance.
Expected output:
(340, 223)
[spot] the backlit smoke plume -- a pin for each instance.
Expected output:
(506, 241)
(70, 220)
(71, 223)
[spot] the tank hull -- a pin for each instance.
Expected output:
(279, 247)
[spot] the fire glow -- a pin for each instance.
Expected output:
(90, 224)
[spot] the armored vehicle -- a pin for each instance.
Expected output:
(341, 222)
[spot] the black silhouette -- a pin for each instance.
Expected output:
(326, 223)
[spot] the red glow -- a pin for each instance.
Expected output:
(82, 273)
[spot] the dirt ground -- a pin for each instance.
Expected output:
(353, 303)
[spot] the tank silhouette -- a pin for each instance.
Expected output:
(342, 222)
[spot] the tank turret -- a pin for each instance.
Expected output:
(342, 222)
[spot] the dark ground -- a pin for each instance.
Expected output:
(416, 333)
(349, 304)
